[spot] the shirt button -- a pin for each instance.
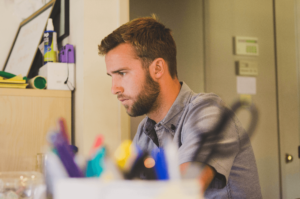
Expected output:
(173, 127)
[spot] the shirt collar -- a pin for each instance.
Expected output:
(173, 116)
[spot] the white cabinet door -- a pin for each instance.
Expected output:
(287, 34)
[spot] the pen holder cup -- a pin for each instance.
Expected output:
(26, 185)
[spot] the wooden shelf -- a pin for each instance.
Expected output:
(26, 117)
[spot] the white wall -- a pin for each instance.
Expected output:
(96, 110)
(9, 24)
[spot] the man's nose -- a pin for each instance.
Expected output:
(116, 88)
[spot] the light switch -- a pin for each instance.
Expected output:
(247, 68)
(246, 45)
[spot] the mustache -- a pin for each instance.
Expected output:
(121, 96)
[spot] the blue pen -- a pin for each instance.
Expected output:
(160, 167)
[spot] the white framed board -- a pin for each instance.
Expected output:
(27, 40)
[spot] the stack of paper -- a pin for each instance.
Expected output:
(15, 82)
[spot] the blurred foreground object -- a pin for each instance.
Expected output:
(126, 189)
(25, 185)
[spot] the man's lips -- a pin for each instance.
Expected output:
(122, 99)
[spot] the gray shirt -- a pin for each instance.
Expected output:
(194, 114)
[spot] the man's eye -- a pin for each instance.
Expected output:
(122, 73)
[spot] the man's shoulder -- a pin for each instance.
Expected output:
(206, 99)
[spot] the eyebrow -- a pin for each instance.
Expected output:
(117, 71)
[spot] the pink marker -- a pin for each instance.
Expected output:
(97, 144)
(63, 128)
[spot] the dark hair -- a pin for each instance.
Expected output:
(150, 38)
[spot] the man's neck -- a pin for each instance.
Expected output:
(168, 94)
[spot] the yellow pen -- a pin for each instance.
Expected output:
(125, 155)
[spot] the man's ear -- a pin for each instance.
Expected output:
(158, 68)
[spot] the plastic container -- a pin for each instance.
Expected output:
(50, 43)
(25, 185)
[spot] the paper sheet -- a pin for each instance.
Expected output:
(246, 85)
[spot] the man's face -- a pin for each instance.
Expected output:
(132, 84)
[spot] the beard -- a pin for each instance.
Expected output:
(147, 98)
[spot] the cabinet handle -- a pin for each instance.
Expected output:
(288, 158)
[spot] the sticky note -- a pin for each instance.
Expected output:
(246, 85)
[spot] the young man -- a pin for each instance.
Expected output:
(140, 57)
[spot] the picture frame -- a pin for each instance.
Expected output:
(24, 57)
(64, 20)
